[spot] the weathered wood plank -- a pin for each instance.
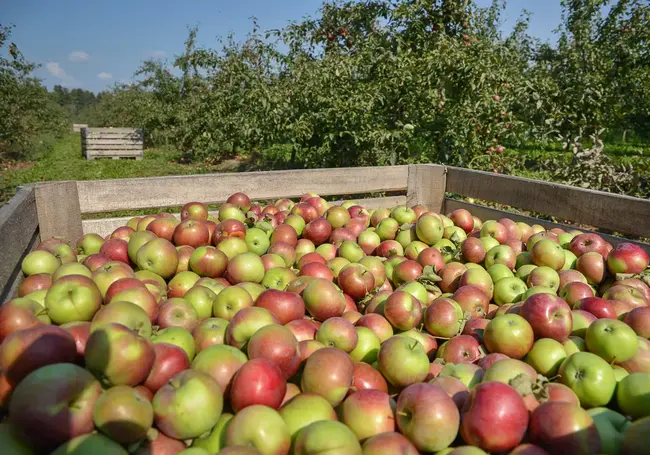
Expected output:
(109, 148)
(117, 141)
(426, 186)
(105, 226)
(18, 231)
(128, 194)
(487, 213)
(618, 213)
(58, 210)
(113, 130)
(77, 127)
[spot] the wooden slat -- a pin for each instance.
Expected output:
(618, 213)
(118, 141)
(58, 210)
(127, 194)
(18, 232)
(487, 213)
(105, 226)
(113, 147)
(426, 186)
(113, 130)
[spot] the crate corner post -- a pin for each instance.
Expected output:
(426, 186)
(58, 209)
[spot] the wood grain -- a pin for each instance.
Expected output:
(128, 194)
(618, 213)
(487, 213)
(426, 186)
(58, 210)
(18, 233)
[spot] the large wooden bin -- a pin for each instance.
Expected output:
(42, 210)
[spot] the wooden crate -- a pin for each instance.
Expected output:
(77, 127)
(112, 143)
(42, 210)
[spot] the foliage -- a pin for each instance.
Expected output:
(77, 101)
(26, 110)
(378, 82)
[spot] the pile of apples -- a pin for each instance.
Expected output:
(310, 328)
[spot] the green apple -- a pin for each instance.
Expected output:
(178, 336)
(590, 377)
(305, 409)
(367, 347)
(611, 425)
(416, 289)
(544, 276)
(619, 372)
(231, 212)
(327, 437)
(297, 222)
(72, 298)
(611, 339)
(232, 247)
(137, 240)
(214, 441)
(524, 271)
(454, 233)
(406, 236)
(260, 427)
(548, 253)
(387, 229)
(509, 290)
(523, 259)
(546, 356)
(257, 241)
(633, 395)
(501, 254)
(202, 299)
(90, 244)
(403, 214)
(537, 290)
(467, 373)
(71, 268)
(40, 261)
(351, 251)
(429, 229)
(570, 260)
(489, 243)
(278, 278)
(158, 256)
(499, 271)
(574, 344)
(564, 239)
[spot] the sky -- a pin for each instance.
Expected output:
(91, 44)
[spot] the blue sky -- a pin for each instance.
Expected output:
(92, 44)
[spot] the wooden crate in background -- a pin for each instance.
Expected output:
(112, 143)
(42, 210)
(77, 127)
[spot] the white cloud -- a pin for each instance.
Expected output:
(78, 56)
(55, 70)
(104, 75)
(158, 54)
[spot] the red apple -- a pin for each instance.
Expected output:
(597, 306)
(191, 232)
(258, 382)
(163, 227)
(460, 349)
(366, 377)
(584, 243)
(116, 250)
(169, 361)
(472, 300)
(328, 372)
(562, 427)
(277, 344)
(549, 316)
(639, 320)
(56, 403)
(177, 312)
(495, 417)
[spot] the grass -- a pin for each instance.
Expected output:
(64, 161)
